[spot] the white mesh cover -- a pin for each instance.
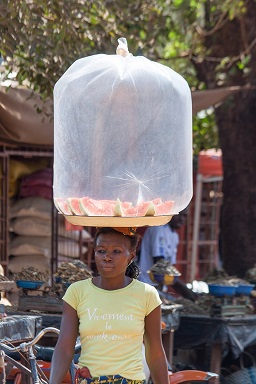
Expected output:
(122, 132)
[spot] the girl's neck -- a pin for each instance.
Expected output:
(111, 284)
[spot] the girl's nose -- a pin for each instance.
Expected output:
(107, 256)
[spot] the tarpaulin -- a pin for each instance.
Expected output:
(20, 122)
(234, 333)
(18, 328)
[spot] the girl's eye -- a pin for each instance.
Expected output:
(101, 251)
(117, 251)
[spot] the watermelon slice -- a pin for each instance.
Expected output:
(74, 205)
(126, 204)
(118, 210)
(151, 209)
(164, 208)
(157, 201)
(87, 206)
(62, 206)
(108, 207)
(130, 212)
(90, 207)
(145, 208)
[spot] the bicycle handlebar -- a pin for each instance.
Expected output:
(25, 345)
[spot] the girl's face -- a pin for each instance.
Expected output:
(112, 254)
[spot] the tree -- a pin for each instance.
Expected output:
(225, 55)
(210, 42)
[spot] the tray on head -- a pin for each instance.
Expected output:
(111, 221)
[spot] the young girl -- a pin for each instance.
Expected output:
(114, 314)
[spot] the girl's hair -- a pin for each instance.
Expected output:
(132, 269)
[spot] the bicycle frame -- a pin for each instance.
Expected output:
(38, 372)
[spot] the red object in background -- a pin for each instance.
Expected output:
(210, 162)
(72, 227)
(15, 375)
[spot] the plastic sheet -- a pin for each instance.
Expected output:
(122, 132)
(234, 333)
(18, 328)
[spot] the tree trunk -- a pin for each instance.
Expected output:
(236, 120)
(237, 132)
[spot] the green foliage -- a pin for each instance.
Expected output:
(40, 39)
(205, 131)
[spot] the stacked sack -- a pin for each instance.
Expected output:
(31, 226)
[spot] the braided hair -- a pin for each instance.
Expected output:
(132, 269)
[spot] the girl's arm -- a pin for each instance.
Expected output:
(64, 349)
(155, 354)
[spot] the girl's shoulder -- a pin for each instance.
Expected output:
(145, 287)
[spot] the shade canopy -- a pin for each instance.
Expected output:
(26, 119)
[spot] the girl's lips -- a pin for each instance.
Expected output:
(107, 267)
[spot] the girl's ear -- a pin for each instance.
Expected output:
(133, 254)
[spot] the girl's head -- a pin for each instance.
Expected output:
(128, 240)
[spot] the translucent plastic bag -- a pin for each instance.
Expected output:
(122, 140)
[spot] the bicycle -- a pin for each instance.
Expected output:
(39, 370)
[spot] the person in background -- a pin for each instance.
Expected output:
(161, 242)
(114, 314)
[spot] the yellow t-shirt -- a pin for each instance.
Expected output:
(111, 326)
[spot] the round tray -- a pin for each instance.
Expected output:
(222, 290)
(26, 284)
(111, 221)
(163, 279)
(244, 289)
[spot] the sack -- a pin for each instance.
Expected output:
(246, 375)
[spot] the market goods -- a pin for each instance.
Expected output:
(31, 274)
(220, 277)
(69, 272)
(3, 278)
(251, 273)
(86, 206)
(136, 147)
(163, 208)
(163, 267)
(163, 272)
(74, 205)
(63, 206)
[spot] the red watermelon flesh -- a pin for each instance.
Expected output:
(157, 201)
(86, 206)
(130, 212)
(164, 208)
(91, 207)
(145, 208)
(62, 206)
(126, 204)
(108, 207)
(74, 204)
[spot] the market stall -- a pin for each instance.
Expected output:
(218, 335)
